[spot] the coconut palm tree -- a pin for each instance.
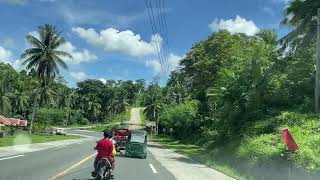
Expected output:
(94, 107)
(44, 55)
(120, 104)
(301, 15)
(19, 102)
(46, 58)
(45, 96)
(5, 104)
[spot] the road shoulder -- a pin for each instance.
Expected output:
(27, 148)
(183, 168)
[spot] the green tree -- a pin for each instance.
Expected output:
(93, 107)
(20, 102)
(5, 105)
(301, 15)
(153, 103)
(45, 57)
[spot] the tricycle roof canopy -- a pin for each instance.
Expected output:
(142, 132)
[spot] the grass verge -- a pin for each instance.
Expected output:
(143, 118)
(100, 128)
(31, 139)
(200, 155)
(260, 153)
(112, 124)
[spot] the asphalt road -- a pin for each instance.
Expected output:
(74, 162)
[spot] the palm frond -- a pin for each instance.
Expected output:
(58, 42)
(63, 54)
(60, 62)
(33, 41)
(31, 52)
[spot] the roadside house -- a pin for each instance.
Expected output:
(4, 121)
(12, 122)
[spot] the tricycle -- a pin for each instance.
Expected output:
(136, 145)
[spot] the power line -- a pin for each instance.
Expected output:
(154, 31)
(161, 27)
(158, 25)
(159, 31)
(165, 34)
(165, 28)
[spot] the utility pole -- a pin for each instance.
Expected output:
(317, 88)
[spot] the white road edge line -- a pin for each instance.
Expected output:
(11, 157)
(153, 169)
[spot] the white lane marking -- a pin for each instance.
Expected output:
(153, 169)
(60, 147)
(11, 157)
(79, 143)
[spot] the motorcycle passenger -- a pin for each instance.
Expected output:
(113, 163)
(105, 149)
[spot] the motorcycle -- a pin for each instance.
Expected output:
(103, 170)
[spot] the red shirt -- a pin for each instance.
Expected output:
(104, 148)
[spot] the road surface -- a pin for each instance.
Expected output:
(74, 162)
(135, 119)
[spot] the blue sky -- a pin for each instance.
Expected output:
(113, 39)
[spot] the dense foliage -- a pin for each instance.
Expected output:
(91, 101)
(237, 91)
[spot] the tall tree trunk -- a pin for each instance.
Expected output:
(155, 119)
(317, 84)
(33, 112)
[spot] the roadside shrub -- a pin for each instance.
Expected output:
(40, 127)
(261, 148)
(265, 126)
(50, 116)
(308, 140)
(83, 121)
(262, 144)
(182, 118)
(294, 118)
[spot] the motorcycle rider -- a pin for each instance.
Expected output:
(105, 149)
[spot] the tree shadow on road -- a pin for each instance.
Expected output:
(157, 146)
(185, 160)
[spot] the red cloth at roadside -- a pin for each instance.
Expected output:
(289, 141)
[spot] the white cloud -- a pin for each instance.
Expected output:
(126, 42)
(155, 65)
(173, 64)
(79, 75)
(35, 34)
(78, 56)
(103, 80)
(5, 54)
(237, 25)
(8, 42)
(6, 57)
